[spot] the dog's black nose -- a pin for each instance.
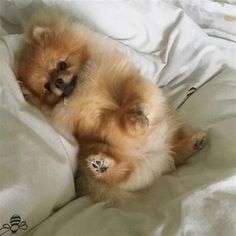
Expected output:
(59, 84)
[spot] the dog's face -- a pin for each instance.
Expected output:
(49, 64)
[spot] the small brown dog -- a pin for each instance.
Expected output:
(127, 134)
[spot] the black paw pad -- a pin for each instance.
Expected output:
(99, 166)
(199, 144)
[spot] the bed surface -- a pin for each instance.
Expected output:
(192, 56)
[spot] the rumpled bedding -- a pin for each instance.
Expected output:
(185, 47)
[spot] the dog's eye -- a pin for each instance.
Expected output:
(61, 65)
(47, 87)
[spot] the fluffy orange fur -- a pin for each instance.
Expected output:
(49, 38)
(127, 134)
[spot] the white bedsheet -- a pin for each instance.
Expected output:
(37, 164)
(198, 199)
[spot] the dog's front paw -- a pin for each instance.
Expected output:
(137, 118)
(199, 140)
(99, 163)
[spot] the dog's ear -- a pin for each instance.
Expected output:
(38, 34)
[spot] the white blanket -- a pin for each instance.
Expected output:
(37, 164)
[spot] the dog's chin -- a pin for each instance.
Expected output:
(52, 100)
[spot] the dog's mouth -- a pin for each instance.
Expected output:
(68, 89)
(59, 91)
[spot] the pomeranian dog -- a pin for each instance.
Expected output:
(127, 134)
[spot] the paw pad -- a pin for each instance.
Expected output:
(200, 140)
(100, 166)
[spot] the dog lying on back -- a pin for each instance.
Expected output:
(127, 134)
